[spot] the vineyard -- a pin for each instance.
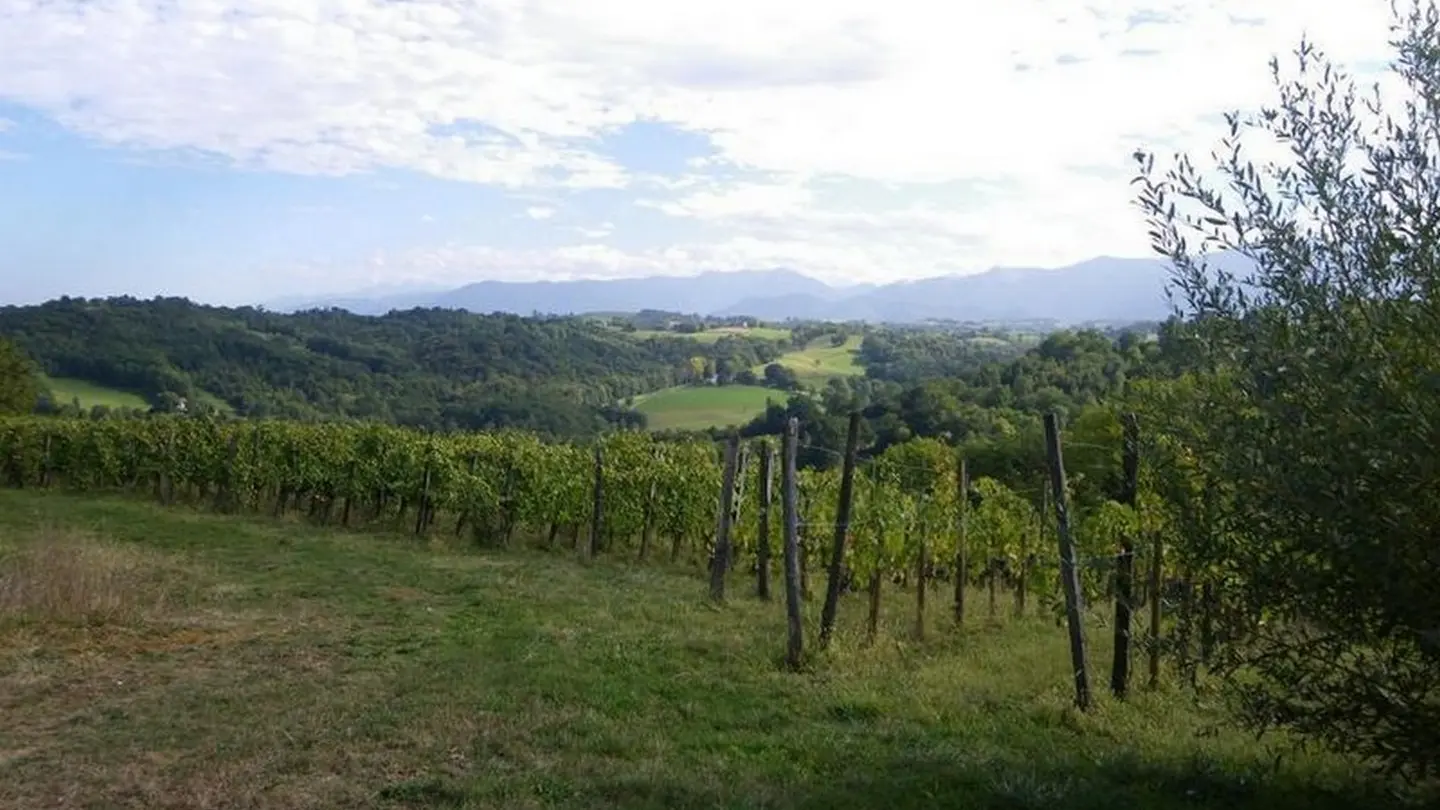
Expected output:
(906, 522)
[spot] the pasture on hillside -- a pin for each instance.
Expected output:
(165, 658)
(713, 335)
(704, 406)
(820, 361)
(65, 390)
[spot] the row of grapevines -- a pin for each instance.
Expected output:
(905, 503)
(488, 481)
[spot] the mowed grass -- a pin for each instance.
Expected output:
(714, 335)
(66, 390)
(819, 361)
(703, 406)
(168, 659)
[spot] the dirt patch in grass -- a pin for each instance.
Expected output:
(111, 656)
(401, 594)
(73, 577)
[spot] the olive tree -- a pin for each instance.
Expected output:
(1321, 425)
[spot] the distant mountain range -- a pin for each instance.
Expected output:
(1104, 289)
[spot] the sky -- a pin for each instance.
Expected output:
(239, 152)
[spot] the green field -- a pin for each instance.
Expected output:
(171, 659)
(820, 361)
(713, 335)
(66, 389)
(701, 407)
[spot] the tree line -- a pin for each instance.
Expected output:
(436, 369)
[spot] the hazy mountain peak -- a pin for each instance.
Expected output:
(1103, 288)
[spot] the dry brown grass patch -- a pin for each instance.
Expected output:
(67, 576)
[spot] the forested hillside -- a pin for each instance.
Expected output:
(942, 386)
(451, 370)
(428, 368)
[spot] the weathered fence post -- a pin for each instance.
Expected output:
(647, 532)
(1069, 574)
(424, 505)
(737, 499)
(762, 545)
(720, 555)
(794, 649)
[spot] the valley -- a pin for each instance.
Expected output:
(580, 406)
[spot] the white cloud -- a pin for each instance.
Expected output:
(600, 231)
(540, 212)
(900, 92)
(6, 125)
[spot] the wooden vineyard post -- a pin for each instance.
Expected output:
(45, 464)
(424, 503)
(224, 494)
(1069, 573)
(720, 556)
(597, 511)
(795, 647)
(349, 493)
(762, 544)
(1125, 560)
(842, 528)
(962, 556)
(737, 497)
(647, 531)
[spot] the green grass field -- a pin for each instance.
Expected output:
(90, 394)
(700, 407)
(713, 335)
(171, 659)
(820, 361)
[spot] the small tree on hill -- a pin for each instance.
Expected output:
(19, 383)
(1319, 408)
